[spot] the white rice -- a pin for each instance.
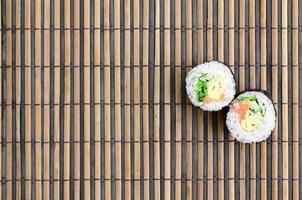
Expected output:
(266, 127)
(213, 68)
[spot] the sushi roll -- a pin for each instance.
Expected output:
(251, 117)
(210, 86)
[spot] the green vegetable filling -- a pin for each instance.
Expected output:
(255, 106)
(201, 87)
(246, 99)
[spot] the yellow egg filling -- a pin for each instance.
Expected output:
(251, 122)
(215, 88)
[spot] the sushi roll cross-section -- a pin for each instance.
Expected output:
(251, 117)
(210, 86)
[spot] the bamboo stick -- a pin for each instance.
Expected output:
(295, 92)
(242, 147)
(117, 71)
(157, 189)
(145, 100)
(284, 94)
(128, 188)
(167, 97)
(178, 94)
(76, 99)
(263, 86)
(275, 98)
(231, 63)
(189, 106)
(252, 57)
(8, 120)
(18, 101)
(200, 128)
(220, 115)
(136, 100)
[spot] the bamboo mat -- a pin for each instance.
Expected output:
(93, 102)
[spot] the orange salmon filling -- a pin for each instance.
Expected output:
(210, 100)
(241, 109)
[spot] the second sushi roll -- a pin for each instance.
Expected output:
(251, 117)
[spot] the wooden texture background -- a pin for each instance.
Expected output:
(93, 102)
